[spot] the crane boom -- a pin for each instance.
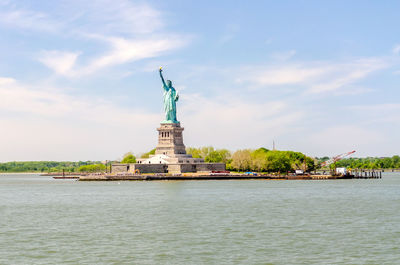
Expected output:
(336, 158)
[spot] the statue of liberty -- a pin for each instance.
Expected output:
(170, 99)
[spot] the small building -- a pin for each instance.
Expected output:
(341, 171)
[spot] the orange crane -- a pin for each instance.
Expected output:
(336, 158)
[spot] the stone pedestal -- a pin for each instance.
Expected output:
(170, 140)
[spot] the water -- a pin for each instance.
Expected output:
(46, 221)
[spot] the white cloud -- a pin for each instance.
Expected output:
(232, 123)
(338, 139)
(6, 81)
(130, 30)
(27, 19)
(19, 98)
(294, 74)
(49, 121)
(117, 17)
(351, 90)
(43, 139)
(74, 16)
(122, 51)
(59, 61)
(317, 77)
(343, 75)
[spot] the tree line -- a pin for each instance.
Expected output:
(260, 160)
(371, 162)
(264, 160)
(44, 166)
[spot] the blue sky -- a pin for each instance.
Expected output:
(79, 80)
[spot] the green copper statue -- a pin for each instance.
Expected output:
(170, 99)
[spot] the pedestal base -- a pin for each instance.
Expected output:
(170, 140)
(170, 155)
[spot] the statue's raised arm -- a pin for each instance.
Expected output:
(162, 79)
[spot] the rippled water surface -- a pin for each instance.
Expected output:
(46, 221)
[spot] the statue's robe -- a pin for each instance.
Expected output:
(170, 98)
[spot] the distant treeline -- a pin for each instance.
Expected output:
(371, 162)
(44, 166)
(260, 160)
(264, 160)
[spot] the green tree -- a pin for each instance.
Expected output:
(92, 168)
(147, 155)
(396, 161)
(259, 159)
(387, 162)
(213, 157)
(278, 161)
(218, 156)
(128, 158)
(311, 164)
(205, 151)
(195, 152)
(241, 160)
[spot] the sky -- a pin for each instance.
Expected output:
(79, 79)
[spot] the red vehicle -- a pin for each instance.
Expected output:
(219, 173)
